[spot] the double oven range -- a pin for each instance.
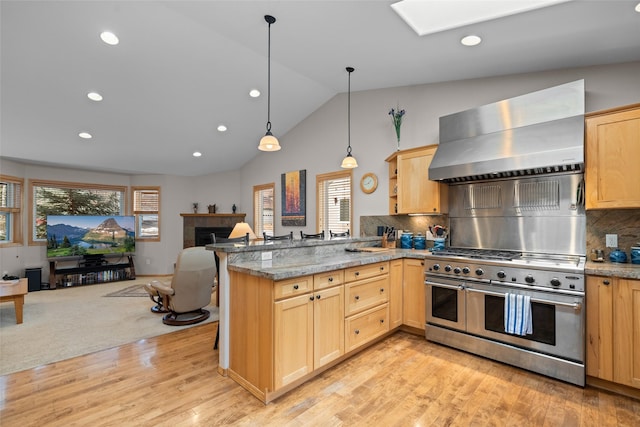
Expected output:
(465, 299)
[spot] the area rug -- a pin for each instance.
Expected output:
(130, 291)
(68, 322)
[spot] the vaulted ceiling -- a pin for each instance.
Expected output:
(184, 67)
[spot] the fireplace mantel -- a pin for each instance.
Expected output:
(192, 220)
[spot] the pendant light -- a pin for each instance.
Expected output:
(268, 141)
(349, 162)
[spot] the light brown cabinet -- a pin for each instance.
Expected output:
(613, 330)
(366, 303)
(413, 293)
(410, 190)
(611, 164)
(395, 293)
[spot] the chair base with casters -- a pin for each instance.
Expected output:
(161, 304)
(189, 318)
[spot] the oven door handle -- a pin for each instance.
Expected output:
(575, 305)
(441, 285)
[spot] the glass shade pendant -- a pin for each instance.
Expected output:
(349, 162)
(269, 142)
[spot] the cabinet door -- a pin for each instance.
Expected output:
(416, 194)
(328, 321)
(413, 293)
(626, 341)
(395, 293)
(611, 165)
(599, 326)
(293, 319)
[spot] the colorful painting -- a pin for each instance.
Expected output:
(294, 198)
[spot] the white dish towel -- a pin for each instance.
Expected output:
(517, 314)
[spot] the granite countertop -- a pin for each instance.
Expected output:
(261, 245)
(613, 269)
(296, 267)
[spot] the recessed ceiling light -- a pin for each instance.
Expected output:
(197, 154)
(471, 40)
(254, 93)
(109, 38)
(85, 135)
(94, 96)
(638, 8)
(222, 128)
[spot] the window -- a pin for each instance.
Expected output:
(70, 198)
(263, 204)
(334, 202)
(146, 208)
(10, 210)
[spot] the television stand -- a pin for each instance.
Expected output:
(91, 269)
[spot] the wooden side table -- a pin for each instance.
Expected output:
(14, 290)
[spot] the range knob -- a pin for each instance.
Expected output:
(436, 267)
(555, 282)
(502, 274)
(529, 279)
(447, 268)
(466, 270)
(457, 270)
(479, 271)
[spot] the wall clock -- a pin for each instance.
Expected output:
(369, 183)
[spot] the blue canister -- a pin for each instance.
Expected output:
(618, 256)
(438, 244)
(406, 240)
(635, 254)
(419, 241)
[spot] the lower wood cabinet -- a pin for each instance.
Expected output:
(363, 327)
(613, 330)
(395, 293)
(413, 312)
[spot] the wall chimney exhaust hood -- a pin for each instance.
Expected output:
(538, 133)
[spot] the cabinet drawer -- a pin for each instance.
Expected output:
(292, 287)
(366, 271)
(364, 327)
(365, 294)
(328, 279)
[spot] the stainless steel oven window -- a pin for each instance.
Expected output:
(444, 303)
(543, 316)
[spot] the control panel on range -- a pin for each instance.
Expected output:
(507, 274)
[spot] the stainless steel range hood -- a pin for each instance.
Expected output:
(537, 133)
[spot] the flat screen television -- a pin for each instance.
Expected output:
(90, 235)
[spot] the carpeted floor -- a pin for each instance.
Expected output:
(64, 323)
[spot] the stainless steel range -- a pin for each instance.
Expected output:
(466, 291)
(517, 233)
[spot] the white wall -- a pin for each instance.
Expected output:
(318, 145)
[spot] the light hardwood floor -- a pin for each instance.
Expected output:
(171, 380)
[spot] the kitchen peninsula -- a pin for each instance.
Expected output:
(292, 309)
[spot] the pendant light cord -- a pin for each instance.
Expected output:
(349, 70)
(270, 19)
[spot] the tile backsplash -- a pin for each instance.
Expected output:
(415, 224)
(623, 222)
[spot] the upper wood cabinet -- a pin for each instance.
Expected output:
(410, 190)
(612, 168)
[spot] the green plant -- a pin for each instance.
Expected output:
(396, 116)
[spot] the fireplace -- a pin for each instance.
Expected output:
(203, 234)
(209, 223)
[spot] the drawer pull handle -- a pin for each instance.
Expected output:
(330, 279)
(605, 282)
(311, 298)
(295, 287)
(381, 320)
(357, 297)
(381, 290)
(357, 273)
(422, 263)
(357, 331)
(317, 296)
(381, 268)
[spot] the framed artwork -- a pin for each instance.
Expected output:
(294, 198)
